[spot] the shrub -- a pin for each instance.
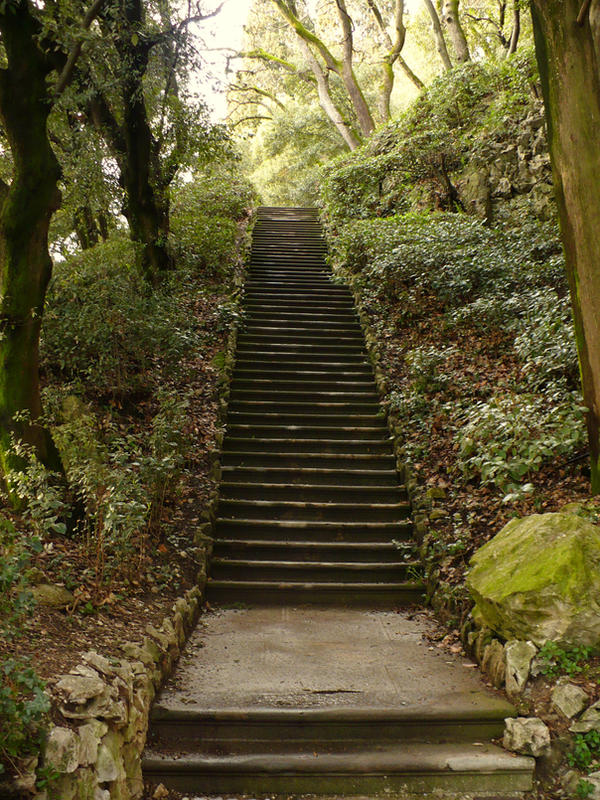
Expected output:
(23, 704)
(206, 244)
(105, 328)
(508, 438)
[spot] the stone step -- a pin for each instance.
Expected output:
(334, 307)
(273, 338)
(265, 366)
(273, 349)
(301, 383)
(327, 729)
(252, 569)
(344, 595)
(309, 551)
(298, 295)
(351, 398)
(313, 512)
(447, 768)
(303, 331)
(311, 493)
(338, 318)
(300, 531)
(331, 477)
(279, 430)
(343, 302)
(320, 460)
(289, 445)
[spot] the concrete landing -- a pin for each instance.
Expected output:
(317, 658)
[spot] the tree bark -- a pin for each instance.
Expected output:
(25, 211)
(568, 53)
(326, 100)
(393, 54)
(451, 19)
(147, 212)
(516, 29)
(363, 112)
(438, 35)
(132, 143)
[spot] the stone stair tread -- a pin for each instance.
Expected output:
(318, 586)
(317, 565)
(269, 504)
(259, 544)
(408, 758)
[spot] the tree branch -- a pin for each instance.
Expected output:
(583, 11)
(67, 72)
(309, 37)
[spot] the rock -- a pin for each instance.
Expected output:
(90, 736)
(519, 655)
(88, 696)
(109, 766)
(526, 735)
(568, 698)
(62, 750)
(52, 596)
(78, 689)
(99, 663)
(594, 779)
(588, 721)
(476, 194)
(160, 792)
(503, 188)
(494, 663)
(539, 580)
(543, 201)
(569, 782)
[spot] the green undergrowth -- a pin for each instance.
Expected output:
(130, 383)
(473, 334)
(472, 320)
(502, 286)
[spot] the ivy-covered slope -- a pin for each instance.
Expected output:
(469, 305)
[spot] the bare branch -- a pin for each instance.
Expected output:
(247, 119)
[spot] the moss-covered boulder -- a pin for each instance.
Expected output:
(539, 579)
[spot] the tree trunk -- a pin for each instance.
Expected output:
(326, 100)
(568, 53)
(451, 19)
(516, 29)
(363, 112)
(132, 143)
(147, 214)
(25, 212)
(85, 227)
(438, 34)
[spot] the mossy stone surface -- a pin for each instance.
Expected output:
(539, 579)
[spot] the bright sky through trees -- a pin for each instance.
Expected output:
(223, 31)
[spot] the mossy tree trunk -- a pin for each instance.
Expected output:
(451, 19)
(125, 126)
(567, 37)
(147, 209)
(26, 206)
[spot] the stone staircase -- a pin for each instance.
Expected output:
(310, 502)
(303, 686)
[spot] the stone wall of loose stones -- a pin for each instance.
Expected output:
(96, 750)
